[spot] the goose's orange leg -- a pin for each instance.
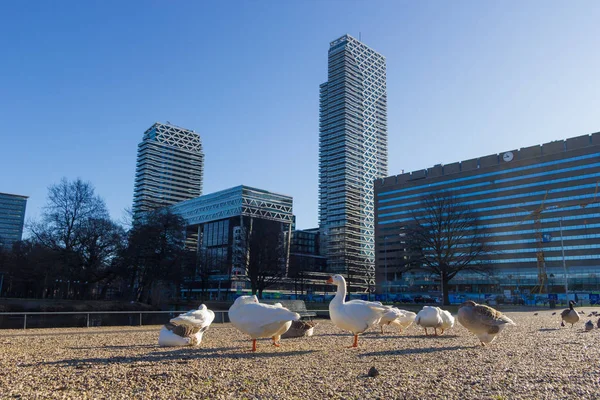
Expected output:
(253, 344)
(355, 344)
(275, 342)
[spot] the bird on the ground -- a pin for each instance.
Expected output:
(394, 316)
(300, 329)
(598, 323)
(430, 317)
(535, 313)
(484, 321)
(554, 313)
(186, 329)
(589, 315)
(569, 315)
(447, 320)
(355, 316)
(589, 325)
(581, 312)
(260, 320)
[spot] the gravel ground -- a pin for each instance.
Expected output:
(534, 360)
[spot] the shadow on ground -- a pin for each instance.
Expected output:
(179, 355)
(413, 351)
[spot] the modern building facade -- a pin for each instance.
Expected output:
(308, 267)
(534, 204)
(352, 154)
(170, 167)
(219, 223)
(12, 218)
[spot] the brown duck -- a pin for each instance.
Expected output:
(485, 322)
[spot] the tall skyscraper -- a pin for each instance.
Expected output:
(352, 154)
(12, 216)
(170, 167)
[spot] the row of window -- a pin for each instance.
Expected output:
(495, 173)
(562, 199)
(216, 233)
(591, 186)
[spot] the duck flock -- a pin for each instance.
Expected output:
(259, 320)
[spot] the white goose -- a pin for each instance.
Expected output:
(447, 320)
(429, 317)
(186, 329)
(284, 328)
(355, 316)
(260, 320)
(394, 316)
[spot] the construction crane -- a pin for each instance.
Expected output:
(539, 252)
(542, 284)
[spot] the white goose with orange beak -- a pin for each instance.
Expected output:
(355, 316)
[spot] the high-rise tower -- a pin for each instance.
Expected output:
(170, 167)
(352, 154)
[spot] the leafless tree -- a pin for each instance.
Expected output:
(75, 224)
(444, 239)
(265, 254)
(155, 254)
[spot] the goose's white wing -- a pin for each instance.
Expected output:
(201, 318)
(356, 316)
(391, 314)
(447, 319)
(429, 317)
(261, 320)
(167, 338)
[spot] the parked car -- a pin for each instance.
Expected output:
(495, 299)
(406, 299)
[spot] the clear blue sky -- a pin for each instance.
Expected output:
(80, 81)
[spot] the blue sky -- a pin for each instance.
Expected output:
(80, 81)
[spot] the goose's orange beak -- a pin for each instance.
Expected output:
(330, 280)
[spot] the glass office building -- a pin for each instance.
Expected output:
(12, 217)
(170, 167)
(534, 203)
(216, 225)
(352, 154)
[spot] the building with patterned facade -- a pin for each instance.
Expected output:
(218, 224)
(538, 205)
(170, 167)
(12, 217)
(352, 154)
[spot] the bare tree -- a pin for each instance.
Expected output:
(69, 206)
(155, 254)
(445, 239)
(76, 225)
(265, 254)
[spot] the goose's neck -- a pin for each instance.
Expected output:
(571, 306)
(340, 295)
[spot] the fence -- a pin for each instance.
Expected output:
(17, 320)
